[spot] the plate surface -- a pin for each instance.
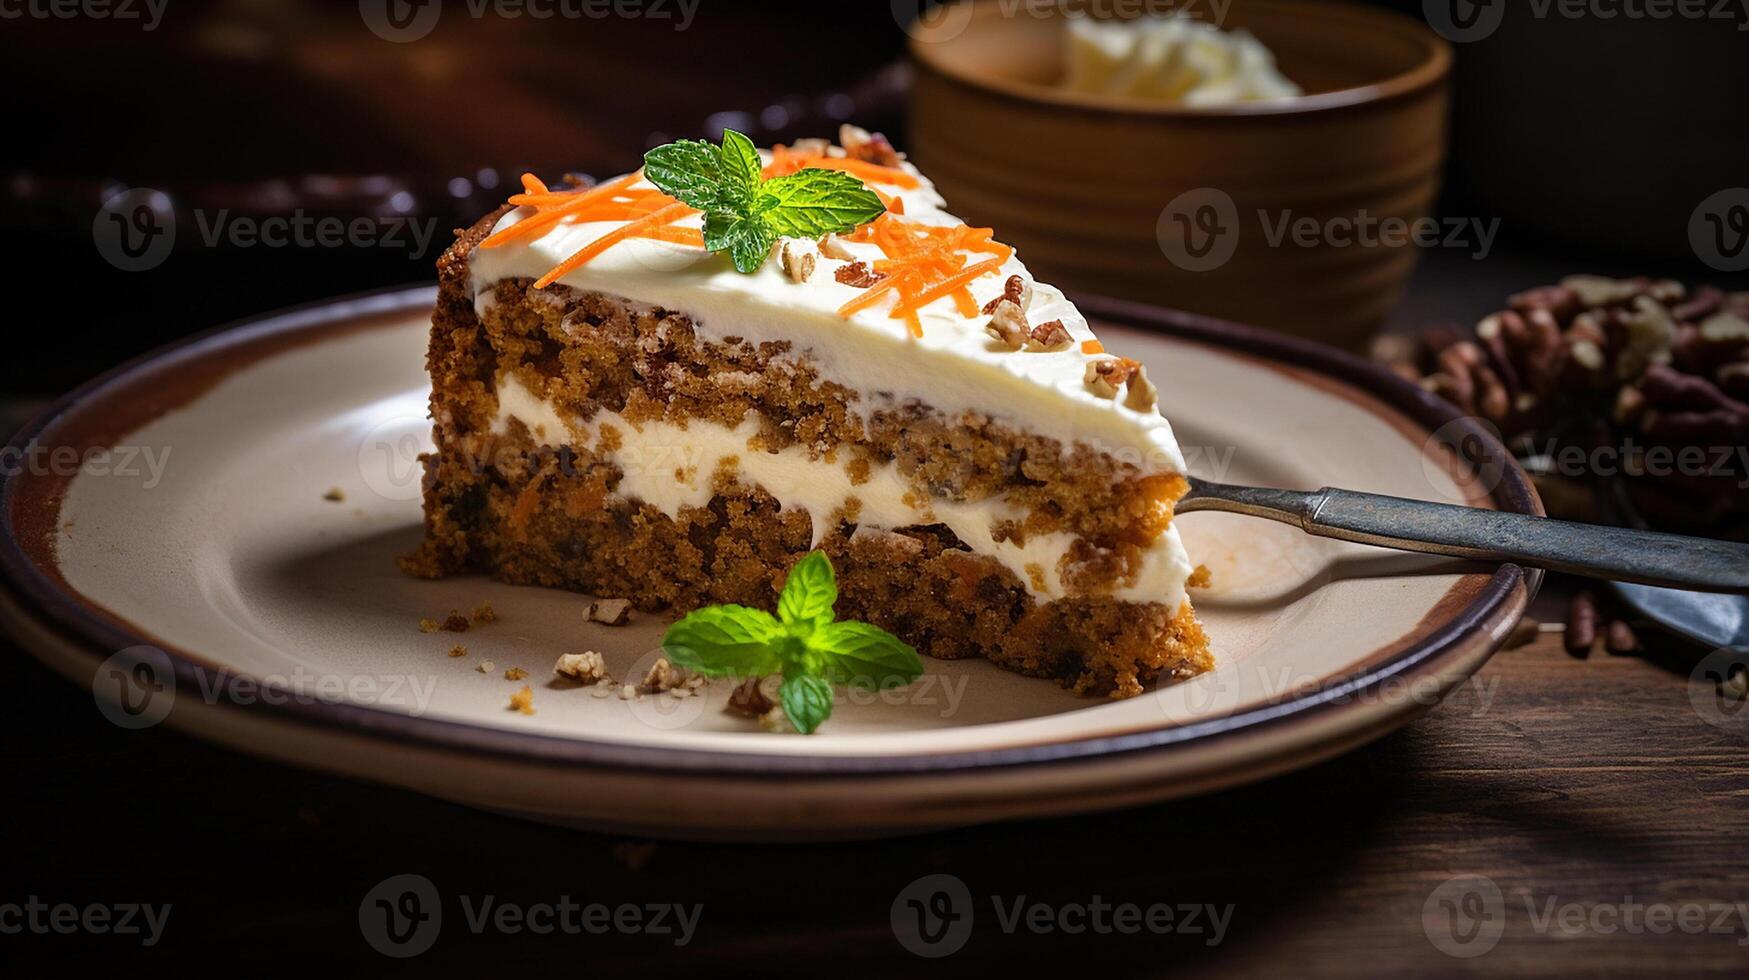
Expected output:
(198, 574)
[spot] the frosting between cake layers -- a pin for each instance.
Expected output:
(954, 367)
(670, 467)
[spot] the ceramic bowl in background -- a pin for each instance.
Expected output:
(1185, 207)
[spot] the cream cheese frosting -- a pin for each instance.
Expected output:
(670, 467)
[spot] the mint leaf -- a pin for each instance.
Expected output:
(813, 202)
(807, 700)
(726, 640)
(810, 592)
(865, 656)
(745, 214)
(741, 164)
(692, 172)
(747, 241)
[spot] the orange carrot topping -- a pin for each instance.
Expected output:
(925, 263)
(784, 161)
(533, 184)
(630, 229)
(1092, 347)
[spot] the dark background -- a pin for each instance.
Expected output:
(1591, 140)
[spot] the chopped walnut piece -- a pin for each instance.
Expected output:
(483, 614)
(857, 274)
(1017, 291)
(810, 145)
(609, 612)
(429, 626)
(455, 622)
(1143, 396)
(586, 667)
(832, 247)
(1106, 375)
(796, 262)
(523, 700)
(458, 651)
(515, 674)
(1007, 324)
(663, 676)
(486, 667)
(1050, 335)
(749, 699)
(860, 144)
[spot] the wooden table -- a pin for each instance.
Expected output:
(1585, 791)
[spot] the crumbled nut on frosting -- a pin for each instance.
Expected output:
(1007, 324)
(586, 667)
(811, 145)
(609, 612)
(1050, 335)
(523, 700)
(832, 247)
(663, 676)
(857, 274)
(1106, 375)
(1143, 396)
(860, 144)
(796, 262)
(1017, 291)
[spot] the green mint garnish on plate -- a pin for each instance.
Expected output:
(744, 213)
(802, 642)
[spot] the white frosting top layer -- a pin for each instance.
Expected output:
(1170, 58)
(670, 467)
(955, 366)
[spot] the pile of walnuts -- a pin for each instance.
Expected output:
(1627, 398)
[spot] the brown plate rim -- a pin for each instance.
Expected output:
(38, 586)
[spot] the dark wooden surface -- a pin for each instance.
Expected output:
(1591, 785)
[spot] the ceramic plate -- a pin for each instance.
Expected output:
(172, 538)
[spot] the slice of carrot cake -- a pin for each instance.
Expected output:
(672, 386)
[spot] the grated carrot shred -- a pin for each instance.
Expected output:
(925, 263)
(630, 229)
(648, 213)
